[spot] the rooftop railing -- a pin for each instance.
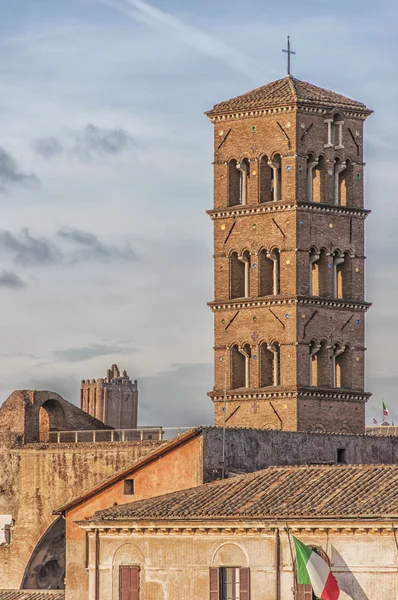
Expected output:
(92, 436)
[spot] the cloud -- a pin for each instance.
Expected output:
(87, 144)
(193, 36)
(29, 250)
(11, 280)
(93, 248)
(100, 141)
(83, 353)
(48, 147)
(10, 173)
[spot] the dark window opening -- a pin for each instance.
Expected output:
(341, 455)
(128, 487)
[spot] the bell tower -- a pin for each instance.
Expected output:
(289, 307)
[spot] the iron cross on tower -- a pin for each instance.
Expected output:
(289, 53)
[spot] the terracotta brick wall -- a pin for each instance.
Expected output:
(293, 226)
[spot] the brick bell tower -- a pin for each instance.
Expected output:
(289, 264)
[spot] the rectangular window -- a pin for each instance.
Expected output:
(128, 489)
(341, 457)
(230, 583)
(129, 580)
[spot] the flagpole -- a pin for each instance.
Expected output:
(295, 587)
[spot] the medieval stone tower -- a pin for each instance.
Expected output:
(289, 217)
(113, 400)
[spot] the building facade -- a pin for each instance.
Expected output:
(289, 217)
(113, 399)
(232, 539)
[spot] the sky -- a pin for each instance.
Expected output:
(105, 177)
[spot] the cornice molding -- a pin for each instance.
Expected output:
(239, 527)
(280, 206)
(299, 108)
(298, 301)
(297, 393)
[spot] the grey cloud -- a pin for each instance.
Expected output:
(11, 280)
(83, 353)
(100, 141)
(92, 247)
(48, 147)
(29, 250)
(10, 173)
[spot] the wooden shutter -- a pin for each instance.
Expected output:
(129, 581)
(214, 584)
(244, 578)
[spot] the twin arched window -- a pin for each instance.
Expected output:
(330, 277)
(267, 270)
(317, 177)
(269, 367)
(341, 375)
(270, 180)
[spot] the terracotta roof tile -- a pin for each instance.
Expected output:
(285, 92)
(32, 595)
(276, 492)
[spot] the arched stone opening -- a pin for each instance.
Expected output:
(318, 364)
(269, 272)
(238, 174)
(240, 366)
(269, 364)
(276, 165)
(51, 418)
(266, 180)
(342, 371)
(46, 567)
(345, 184)
(239, 275)
(319, 276)
(319, 175)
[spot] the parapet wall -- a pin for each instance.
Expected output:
(249, 450)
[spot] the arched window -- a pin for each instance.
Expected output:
(345, 184)
(342, 376)
(319, 174)
(269, 272)
(276, 165)
(239, 275)
(266, 180)
(312, 163)
(269, 364)
(342, 275)
(240, 366)
(339, 168)
(319, 275)
(305, 590)
(238, 174)
(318, 364)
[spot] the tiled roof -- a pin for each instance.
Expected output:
(32, 595)
(277, 492)
(285, 92)
(153, 456)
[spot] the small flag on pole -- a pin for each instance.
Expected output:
(374, 421)
(385, 410)
(313, 570)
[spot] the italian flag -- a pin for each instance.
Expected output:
(385, 410)
(313, 570)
